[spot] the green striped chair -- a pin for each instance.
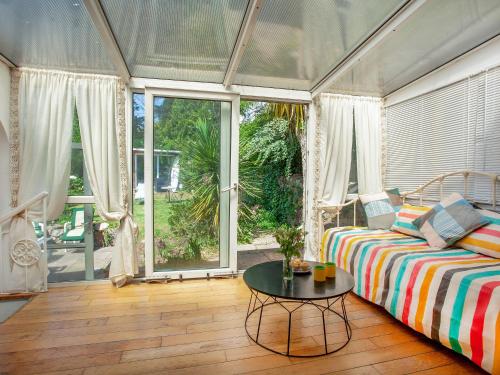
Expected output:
(74, 230)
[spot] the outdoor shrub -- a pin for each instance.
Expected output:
(75, 186)
(194, 247)
(273, 145)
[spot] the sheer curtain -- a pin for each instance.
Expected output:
(367, 117)
(40, 149)
(336, 124)
(45, 116)
(40, 153)
(99, 102)
(329, 143)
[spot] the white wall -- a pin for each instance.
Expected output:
(4, 144)
(480, 59)
(4, 95)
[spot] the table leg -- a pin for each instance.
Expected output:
(289, 332)
(260, 319)
(346, 320)
(249, 303)
(329, 307)
(324, 331)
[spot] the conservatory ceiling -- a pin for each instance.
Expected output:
(291, 44)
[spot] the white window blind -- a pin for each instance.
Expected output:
(452, 128)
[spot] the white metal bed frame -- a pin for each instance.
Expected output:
(333, 211)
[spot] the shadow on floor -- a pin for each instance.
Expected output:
(249, 258)
(9, 308)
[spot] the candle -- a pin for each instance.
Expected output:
(319, 273)
(330, 270)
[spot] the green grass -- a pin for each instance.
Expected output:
(162, 212)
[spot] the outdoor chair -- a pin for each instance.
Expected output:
(38, 229)
(139, 193)
(74, 230)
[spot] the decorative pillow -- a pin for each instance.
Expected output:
(485, 240)
(378, 209)
(449, 221)
(404, 219)
(395, 198)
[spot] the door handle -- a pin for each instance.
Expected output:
(228, 188)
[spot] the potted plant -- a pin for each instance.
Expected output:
(291, 240)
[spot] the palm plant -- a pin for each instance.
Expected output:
(201, 159)
(294, 113)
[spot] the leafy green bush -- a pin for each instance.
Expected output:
(76, 186)
(274, 146)
(274, 143)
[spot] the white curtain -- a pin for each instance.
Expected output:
(46, 107)
(329, 146)
(336, 124)
(329, 142)
(41, 140)
(367, 117)
(103, 142)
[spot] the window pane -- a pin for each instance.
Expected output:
(182, 40)
(56, 34)
(187, 178)
(75, 240)
(296, 43)
(138, 171)
(78, 182)
(438, 32)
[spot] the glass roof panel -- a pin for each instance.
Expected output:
(176, 39)
(438, 32)
(54, 34)
(296, 43)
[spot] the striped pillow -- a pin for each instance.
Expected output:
(405, 217)
(485, 240)
(395, 198)
(378, 209)
(450, 220)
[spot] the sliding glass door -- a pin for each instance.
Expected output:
(190, 183)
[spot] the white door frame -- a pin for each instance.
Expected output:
(150, 93)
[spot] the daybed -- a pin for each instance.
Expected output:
(451, 295)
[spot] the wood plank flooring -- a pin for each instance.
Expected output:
(197, 327)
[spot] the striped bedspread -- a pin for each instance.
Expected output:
(450, 295)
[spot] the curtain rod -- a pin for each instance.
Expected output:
(355, 97)
(63, 72)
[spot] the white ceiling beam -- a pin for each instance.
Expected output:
(246, 30)
(371, 42)
(94, 8)
(246, 92)
(272, 95)
(7, 62)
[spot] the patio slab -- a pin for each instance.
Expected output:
(69, 264)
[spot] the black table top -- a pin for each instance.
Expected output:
(267, 278)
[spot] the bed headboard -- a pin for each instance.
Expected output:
(492, 178)
(326, 211)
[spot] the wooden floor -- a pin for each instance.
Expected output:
(196, 327)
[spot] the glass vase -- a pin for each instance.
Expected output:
(287, 269)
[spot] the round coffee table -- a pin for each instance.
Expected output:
(267, 287)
